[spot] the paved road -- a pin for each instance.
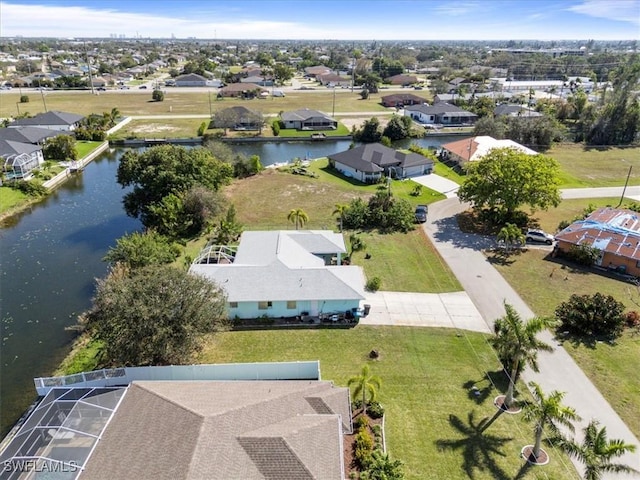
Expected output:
(488, 289)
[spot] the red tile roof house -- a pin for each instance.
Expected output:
(401, 79)
(401, 99)
(613, 231)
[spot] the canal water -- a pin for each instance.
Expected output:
(51, 254)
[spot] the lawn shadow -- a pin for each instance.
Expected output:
(501, 256)
(479, 448)
(524, 469)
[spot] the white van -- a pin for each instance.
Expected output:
(278, 93)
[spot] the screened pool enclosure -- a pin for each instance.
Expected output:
(19, 166)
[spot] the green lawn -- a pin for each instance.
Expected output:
(612, 368)
(591, 167)
(84, 147)
(10, 198)
(426, 376)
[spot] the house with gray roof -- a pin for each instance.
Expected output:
(368, 162)
(53, 120)
(285, 273)
(33, 135)
(19, 159)
(305, 119)
(232, 430)
(440, 113)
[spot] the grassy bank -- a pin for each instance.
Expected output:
(432, 417)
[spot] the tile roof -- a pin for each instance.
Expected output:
(373, 157)
(302, 115)
(8, 148)
(474, 148)
(440, 108)
(612, 230)
(242, 430)
(27, 134)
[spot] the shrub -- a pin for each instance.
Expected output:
(563, 224)
(33, 189)
(583, 254)
(375, 410)
(275, 126)
(363, 446)
(356, 404)
(373, 284)
(157, 95)
(595, 314)
(202, 128)
(362, 423)
(24, 99)
(417, 191)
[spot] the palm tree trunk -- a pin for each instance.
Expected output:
(536, 447)
(364, 401)
(508, 401)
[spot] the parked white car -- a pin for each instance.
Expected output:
(535, 235)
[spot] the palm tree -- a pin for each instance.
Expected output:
(597, 452)
(365, 383)
(298, 216)
(511, 235)
(356, 243)
(115, 113)
(516, 344)
(340, 210)
(547, 411)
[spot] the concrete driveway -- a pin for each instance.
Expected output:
(449, 310)
(438, 183)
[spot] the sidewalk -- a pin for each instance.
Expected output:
(488, 290)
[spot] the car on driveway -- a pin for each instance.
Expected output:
(535, 235)
(142, 87)
(421, 213)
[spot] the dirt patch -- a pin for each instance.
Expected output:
(154, 128)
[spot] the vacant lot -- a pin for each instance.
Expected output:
(544, 283)
(432, 417)
(184, 102)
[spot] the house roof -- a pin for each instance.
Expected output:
(401, 97)
(373, 157)
(9, 147)
(282, 266)
(612, 230)
(317, 70)
(440, 108)
(514, 110)
(225, 430)
(190, 77)
(240, 87)
(48, 118)
(401, 79)
(303, 114)
(474, 148)
(26, 134)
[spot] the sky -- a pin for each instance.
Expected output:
(325, 19)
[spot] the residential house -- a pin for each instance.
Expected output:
(452, 98)
(19, 159)
(368, 162)
(313, 72)
(258, 80)
(615, 232)
(32, 135)
(333, 80)
(515, 110)
(188, 429)
(286, 273)
(473, 149)
(190, 80)
(244, 90)
(53, 120)
(440, 113)
(401, 100)
(401, 79)
(306, 119)
(238, 118)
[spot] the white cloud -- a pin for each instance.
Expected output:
(620, 10)
(456, 9)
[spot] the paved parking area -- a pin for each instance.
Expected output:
(449, 310)
(438, 183)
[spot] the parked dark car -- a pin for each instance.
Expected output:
(421, 213)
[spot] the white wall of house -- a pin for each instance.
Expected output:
(351, 172)
(290, 308)
(417, 170)
(420, 116)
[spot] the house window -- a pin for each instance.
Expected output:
(264, 305)
(233, 304)
(291, 305)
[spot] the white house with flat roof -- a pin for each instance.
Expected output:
(284, 273)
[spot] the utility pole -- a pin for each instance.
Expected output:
(333, 111)
(86, 55)
(624, 190)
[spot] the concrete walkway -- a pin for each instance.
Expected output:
(449, 310)
(488, 290)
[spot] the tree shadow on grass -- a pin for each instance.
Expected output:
(500, 256)
(481, 390)
(479, 448)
